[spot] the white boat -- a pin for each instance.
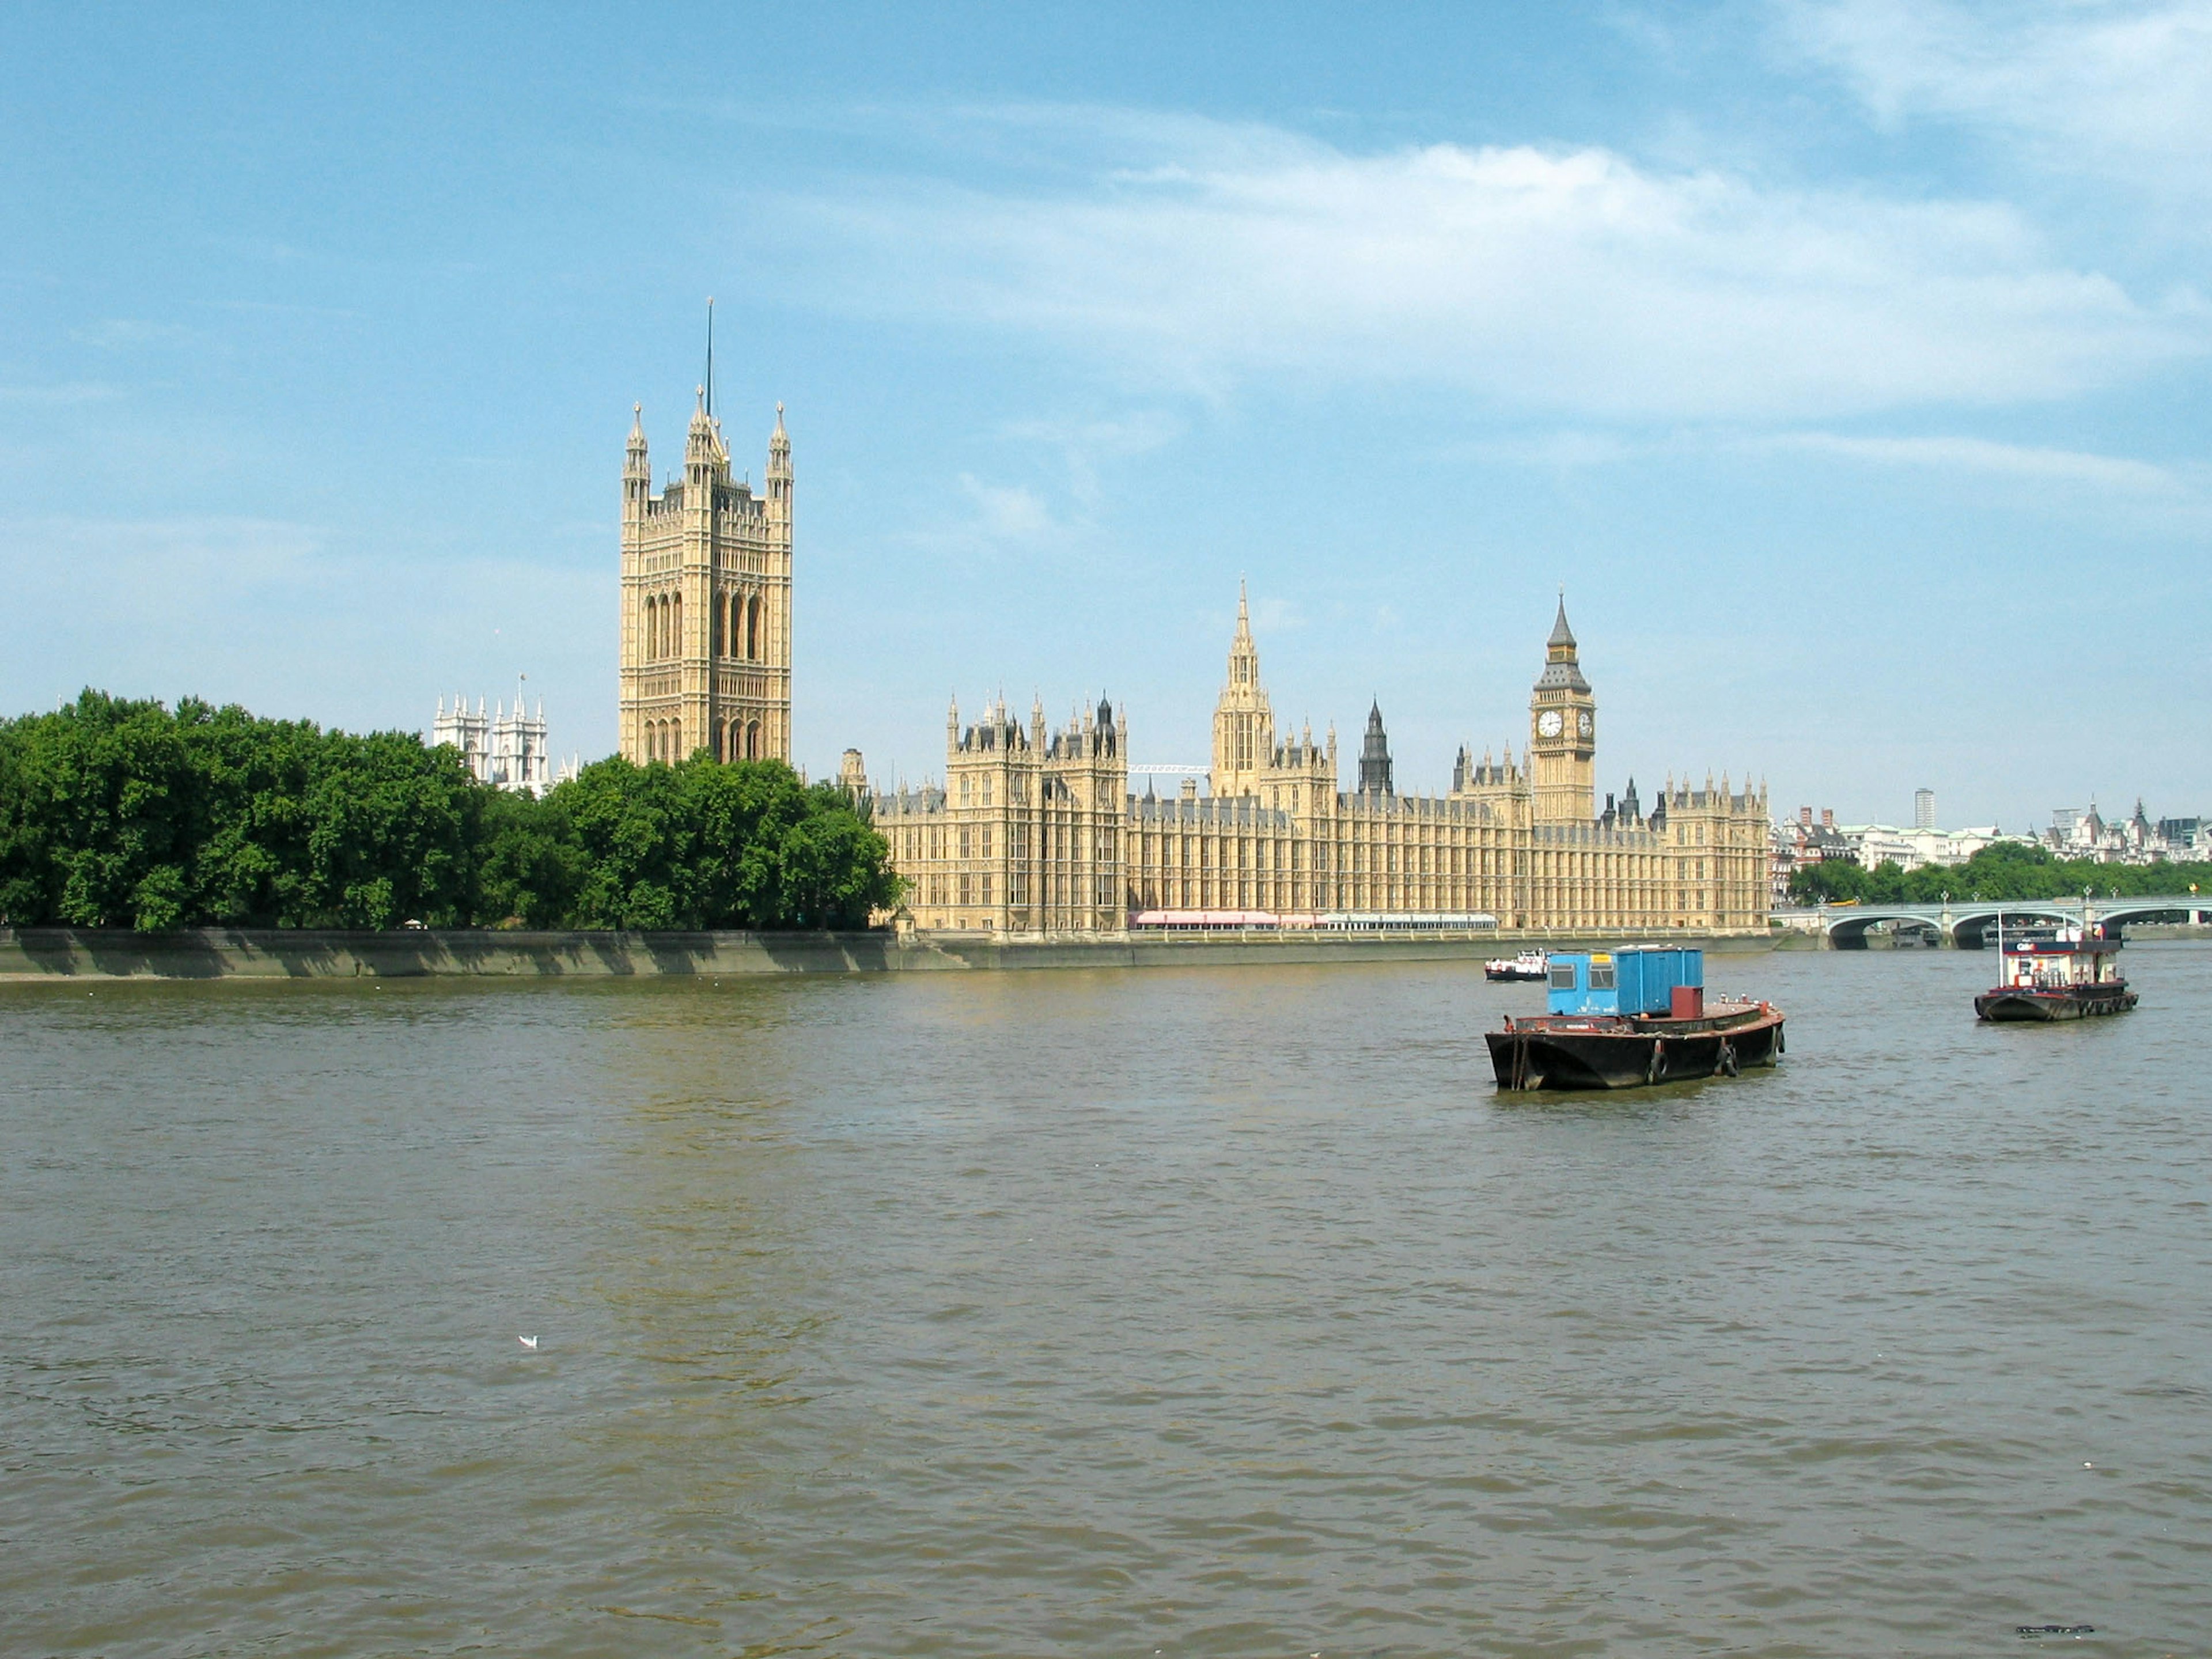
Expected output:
(1529, 964)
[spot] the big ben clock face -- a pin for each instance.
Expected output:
(1548, 723)
(1582, 723)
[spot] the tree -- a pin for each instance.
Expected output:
(117, 813)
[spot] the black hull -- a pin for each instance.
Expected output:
(2087, 1002)
(1513, 975)
(1641, 1054)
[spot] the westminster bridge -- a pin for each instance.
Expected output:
(1961, 923)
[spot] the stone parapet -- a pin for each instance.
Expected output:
(51, 955)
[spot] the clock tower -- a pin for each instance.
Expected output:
(1562, 733)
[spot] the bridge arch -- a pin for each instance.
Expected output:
(1966, 921)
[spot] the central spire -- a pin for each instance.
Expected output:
(707, 387)
(1243, 723)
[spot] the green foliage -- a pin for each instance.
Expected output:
(2007, 870)
(117, 813)
(702, 844)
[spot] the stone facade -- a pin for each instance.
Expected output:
(705, 602)
(1034, 830)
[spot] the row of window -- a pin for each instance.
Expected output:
(735, 740)
(738, 619)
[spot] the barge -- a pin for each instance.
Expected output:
(1631, 1019)
(2071, 974)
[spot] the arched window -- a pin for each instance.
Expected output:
(675, 740)
(714, 644)
(737, 632)
(652, 631)
(752, 734)
(676, 627)
(752, 629)
(718, 742)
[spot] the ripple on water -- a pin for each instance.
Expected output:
(1093, 1313)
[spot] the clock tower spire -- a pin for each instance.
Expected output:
(1562, 733)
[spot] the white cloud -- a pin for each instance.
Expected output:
(1543, 279)
(131, 334)
(66, 394)
(2110, 472)
(1084, 445)
(2123, 90)
(1568, 450)
(1008, 512)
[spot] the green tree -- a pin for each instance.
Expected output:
(529, 864)
(116, 813)
(2004, 871)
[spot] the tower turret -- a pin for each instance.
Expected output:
(703, 454)
(1243, 720)
(637, 469)
(1562, 732)
(1375, 755)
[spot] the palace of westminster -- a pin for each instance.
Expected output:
(1035, 831)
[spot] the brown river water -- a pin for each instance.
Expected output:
(1169, 1312)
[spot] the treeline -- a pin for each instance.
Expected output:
(116, 813)
(2008, 870)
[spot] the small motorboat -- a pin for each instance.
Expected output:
(2067, 973)
(1630, 1018)
(1528, 965)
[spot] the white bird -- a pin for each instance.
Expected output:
(527, 1341)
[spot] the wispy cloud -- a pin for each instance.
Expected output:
(130, 334)
(1085, 446)
(1947, 452)
(78, 392)
(2123, 90)
(2106, 472)
(1007, 513)
(1541, 279)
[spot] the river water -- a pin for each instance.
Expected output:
(1164, 1312)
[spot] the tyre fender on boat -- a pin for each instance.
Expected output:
(1726, 1065)
(1658, 1066)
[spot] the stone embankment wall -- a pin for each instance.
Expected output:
(46, 953)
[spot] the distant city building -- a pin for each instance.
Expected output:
(1798, 841)
(1923, 809)
(1034, 830)
(1876, 844)
(506, 750)
(2083, 833)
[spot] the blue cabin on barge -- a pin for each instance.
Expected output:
(1638, 979)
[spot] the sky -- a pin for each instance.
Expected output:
(1844, 362)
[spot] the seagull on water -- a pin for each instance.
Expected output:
(527, 1341)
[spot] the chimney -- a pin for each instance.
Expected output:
(1805, 816)
(1827, 817)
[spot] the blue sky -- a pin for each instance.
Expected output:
(1845, 360)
